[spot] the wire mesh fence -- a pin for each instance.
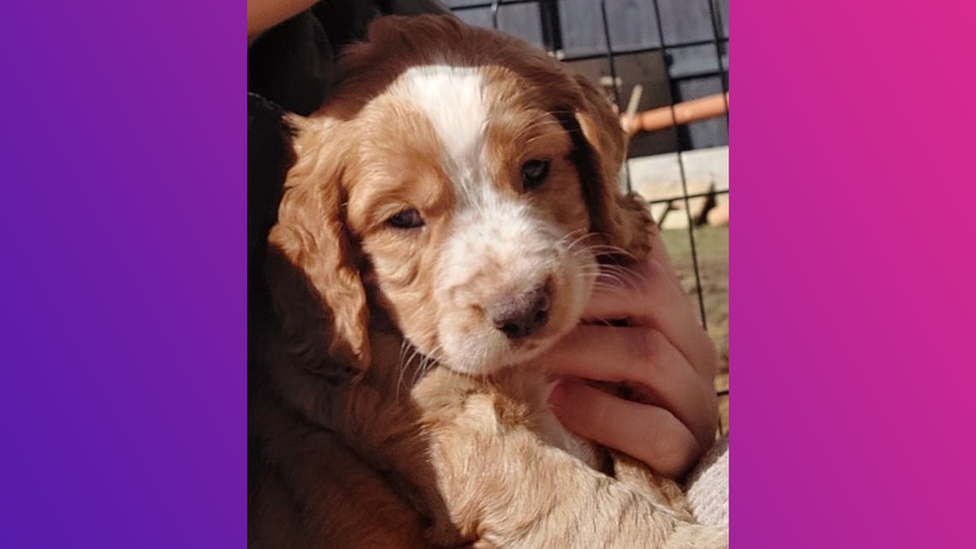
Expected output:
(664, 64)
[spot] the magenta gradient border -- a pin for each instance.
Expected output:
(852, 287)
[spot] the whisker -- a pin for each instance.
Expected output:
(612, 289)
(419, 367)
(579, 239)
(416, 374)
(402, 366)
(630, 279)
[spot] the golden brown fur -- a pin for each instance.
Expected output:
(371, 436)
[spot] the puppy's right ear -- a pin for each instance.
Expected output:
(622, 218)
(315, 282)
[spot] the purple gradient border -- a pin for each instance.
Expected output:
(123, 395)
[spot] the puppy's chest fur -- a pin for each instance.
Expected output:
(509, 399)
(477, 457)
(447, 442)
(528, 393)
(513, 399)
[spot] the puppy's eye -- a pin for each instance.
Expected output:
(534, 173)
(406, 219)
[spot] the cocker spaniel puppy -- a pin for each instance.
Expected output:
(445, 221)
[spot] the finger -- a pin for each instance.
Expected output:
(648, 433)
(652, 296)
(643, 358)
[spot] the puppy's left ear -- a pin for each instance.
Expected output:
(622, 219)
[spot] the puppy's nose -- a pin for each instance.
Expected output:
(522, 316)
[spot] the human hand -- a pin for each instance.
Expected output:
(662, 357)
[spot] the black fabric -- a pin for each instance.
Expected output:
(292, 64)
(269, 156)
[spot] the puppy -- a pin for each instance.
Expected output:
(445, 221)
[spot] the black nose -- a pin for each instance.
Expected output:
(522, 316)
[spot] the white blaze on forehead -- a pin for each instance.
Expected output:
(455, 102)
(452, 98)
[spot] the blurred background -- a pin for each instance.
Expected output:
(665, 65)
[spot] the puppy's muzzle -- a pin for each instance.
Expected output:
(523, 315)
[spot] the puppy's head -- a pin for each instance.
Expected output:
(468, 182)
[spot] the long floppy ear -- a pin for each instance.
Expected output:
(315, 283)
(623, 219)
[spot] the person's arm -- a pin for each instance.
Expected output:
(663, 356)
(264, 14)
